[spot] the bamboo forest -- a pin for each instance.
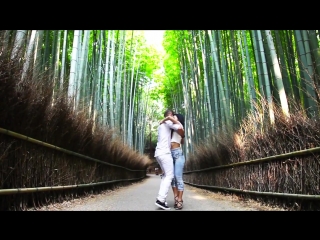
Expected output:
(82, 108)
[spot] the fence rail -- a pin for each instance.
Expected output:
(26, 138)
(43, 189)
(273, 194)
(260, 160)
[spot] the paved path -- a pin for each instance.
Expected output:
(141, 196)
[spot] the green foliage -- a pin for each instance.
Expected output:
(150, 61)
(171, 84)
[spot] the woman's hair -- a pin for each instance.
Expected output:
(180, 118)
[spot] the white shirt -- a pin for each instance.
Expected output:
(176, 136)
(164, 137)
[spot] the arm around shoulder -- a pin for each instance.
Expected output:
(180, 131)
(170, 118)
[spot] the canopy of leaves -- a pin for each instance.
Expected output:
(172, 81)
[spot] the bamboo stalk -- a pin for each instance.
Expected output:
(266, 159)
(26, 138)
(53, 188)
(274, 194)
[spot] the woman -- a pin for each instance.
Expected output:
(178, 161)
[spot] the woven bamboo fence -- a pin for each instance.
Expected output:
(33, 173)
(291, 180)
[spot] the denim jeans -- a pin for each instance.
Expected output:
(178, 163)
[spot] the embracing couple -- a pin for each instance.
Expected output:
(171, 159)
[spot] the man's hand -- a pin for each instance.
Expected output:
(180, 131)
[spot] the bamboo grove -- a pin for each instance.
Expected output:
(102, 72)
(258, 90)
(219, 77)
(214, 77)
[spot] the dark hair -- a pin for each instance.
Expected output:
(167, 112)
(180, 118)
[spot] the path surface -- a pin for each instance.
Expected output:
(141, 196)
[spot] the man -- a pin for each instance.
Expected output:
(164, 157)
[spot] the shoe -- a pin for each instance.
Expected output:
(175, 201)
(179, 205)
(162, 205)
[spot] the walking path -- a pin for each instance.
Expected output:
(141, 196)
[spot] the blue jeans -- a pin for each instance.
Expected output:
(178, 163)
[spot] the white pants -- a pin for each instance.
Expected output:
(166, 163)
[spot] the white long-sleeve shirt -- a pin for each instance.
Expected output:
(164, 137)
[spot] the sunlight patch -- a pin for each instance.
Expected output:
(198, 197)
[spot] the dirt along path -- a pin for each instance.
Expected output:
(141, 196)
